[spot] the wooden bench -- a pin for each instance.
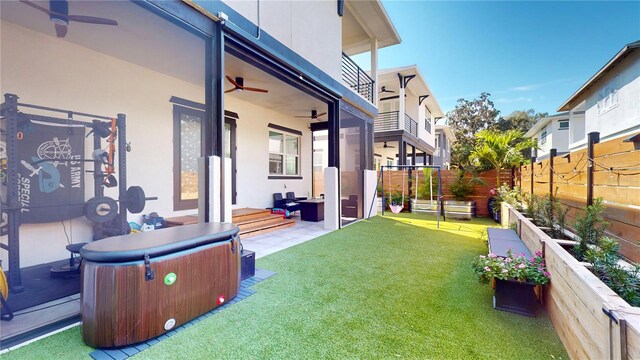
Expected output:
(503, 240)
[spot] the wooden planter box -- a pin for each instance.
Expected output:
(576, 301)
(515, 297)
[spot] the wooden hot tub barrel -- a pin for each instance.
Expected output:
(139, 286)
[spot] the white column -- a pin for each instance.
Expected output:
(370, 185)
(374, 70)
(214, 188)
(401, 105)
(227, 191)
(331, 199)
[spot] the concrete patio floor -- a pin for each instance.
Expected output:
(302, 231)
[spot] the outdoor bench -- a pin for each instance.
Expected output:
(503, 240)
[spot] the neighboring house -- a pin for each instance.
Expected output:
(405, 126)
(166, 67)
(610, 100)
(443, 141)
(552, 132)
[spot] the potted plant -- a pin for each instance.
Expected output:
(515, 278)
(462, 188)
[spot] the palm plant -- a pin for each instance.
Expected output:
(502, 149)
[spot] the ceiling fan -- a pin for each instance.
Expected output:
(59, 13)
(384, 90)
(314, 115)
(238, 84)
(387, 146)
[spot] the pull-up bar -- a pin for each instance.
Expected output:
(403, 167)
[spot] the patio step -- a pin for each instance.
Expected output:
(239, 216)
(266, 220)
(259, 228)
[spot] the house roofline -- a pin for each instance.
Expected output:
(621, 55)
(544, 121)
(432, 102)
(446, 129)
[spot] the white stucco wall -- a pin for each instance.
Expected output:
(253, 186)
(46, 71)
(622, 85)
(311, 28)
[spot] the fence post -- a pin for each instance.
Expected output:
(592, 139)
(552, 154)
(533, 161)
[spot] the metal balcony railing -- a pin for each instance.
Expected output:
(386, 121)
(356, 78)
(410, 125)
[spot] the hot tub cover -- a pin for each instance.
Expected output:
(156, 243)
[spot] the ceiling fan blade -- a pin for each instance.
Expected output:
(61, 30)
(255, 89)
(92, 20)
(233, 82)
(303, 117)
(231, 90)
(36, 6)
(322, 114)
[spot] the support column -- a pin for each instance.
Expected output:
(592, 139)
(331, 198)
(402, 105)
(334, 134)
(374, 70)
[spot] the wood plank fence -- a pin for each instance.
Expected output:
(612, 173)
(394, 179)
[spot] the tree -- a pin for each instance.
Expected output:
(502, 149)
(467, 119)
(518, 120)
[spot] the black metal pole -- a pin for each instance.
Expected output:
(592, 139)
(13, 211)
(533, 161)
(121, 123)
(383, 205)
(552, 153)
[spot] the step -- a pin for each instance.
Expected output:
(253, 231)
(272, 219)
(242, 215)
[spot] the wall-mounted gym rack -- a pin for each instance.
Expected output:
(10, 111)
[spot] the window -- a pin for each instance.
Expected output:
(427, 120)
(284, 154)
(563, 125)
(187, 150)
(543, 136)
(389, 162)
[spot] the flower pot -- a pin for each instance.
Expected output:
(497, 216)
(459, 209)
(516, 297)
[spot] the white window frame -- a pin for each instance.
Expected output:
(560, 122)
(284, 154)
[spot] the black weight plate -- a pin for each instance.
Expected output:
(135, 199)
(101, 209)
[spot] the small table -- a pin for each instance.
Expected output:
(312, 209)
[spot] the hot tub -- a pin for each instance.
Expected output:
(139, 286)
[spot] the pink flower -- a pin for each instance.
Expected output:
(492, 191)
(547, 274)
(492, 255)
(482, 256)
(539, 253)
(507, 260)
(505, 271)
(540, 269)
(521, 266)
(486, 268)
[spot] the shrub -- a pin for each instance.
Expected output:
(532, 204)
(590, 228)
(512, 267)
(463, 188)
(424, 189)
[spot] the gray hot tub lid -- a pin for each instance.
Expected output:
(157, 242)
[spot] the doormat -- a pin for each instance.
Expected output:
(126, 352)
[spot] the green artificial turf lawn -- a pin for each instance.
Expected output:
(391, 287)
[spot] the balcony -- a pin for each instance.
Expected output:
(356, 78)
(390, 121)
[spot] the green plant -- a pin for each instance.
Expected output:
(532, 204)
(513, 226)
(560, 220)
(590, 228)
(512, 267)
(502, 149)
(624, 281)
(396, 198)
(462, 188)
(430, 182)
(545, 211)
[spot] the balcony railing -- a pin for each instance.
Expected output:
(356, 78)
(386, 121)
(410, 125)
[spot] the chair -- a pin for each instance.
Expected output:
(283, 203)
(350, 207)
(292, 197)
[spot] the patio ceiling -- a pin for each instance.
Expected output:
(363, 21)
(158, 46)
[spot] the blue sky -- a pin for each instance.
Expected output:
(526, 54)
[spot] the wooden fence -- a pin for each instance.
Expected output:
(394, 180)
(615, 169)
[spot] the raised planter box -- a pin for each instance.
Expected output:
(516, 297)
(576, 301)
(453, 209)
